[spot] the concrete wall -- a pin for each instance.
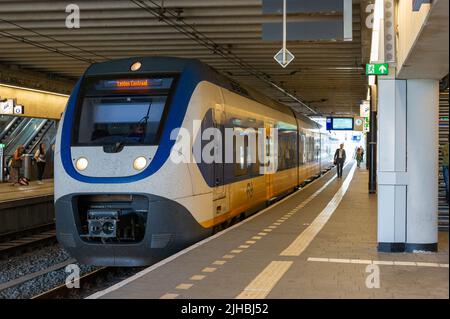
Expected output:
(36, 104)
(423, 40)
(409, 24)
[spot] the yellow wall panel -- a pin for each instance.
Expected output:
(37, 104)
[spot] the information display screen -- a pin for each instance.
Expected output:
(340, 123)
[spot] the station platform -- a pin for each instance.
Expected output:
(319, 242)
(26, 207)
(17, 192)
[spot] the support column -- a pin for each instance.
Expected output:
(407, 165)
(422, 164)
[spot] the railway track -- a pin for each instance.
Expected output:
(89, 283)
(21, 280)
(16, 243)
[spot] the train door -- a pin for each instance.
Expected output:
(219, 118)
(269, 159)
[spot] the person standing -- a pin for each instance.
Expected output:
(339, 160)
(40, 157)
(16, 165)
(359, 156)
(445, 169)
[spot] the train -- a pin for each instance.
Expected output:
(120, 198)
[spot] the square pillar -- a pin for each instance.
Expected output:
(407, 165)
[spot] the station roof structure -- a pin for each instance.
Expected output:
(327, 75)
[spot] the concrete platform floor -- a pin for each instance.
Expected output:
(17, 192)
(318, 243)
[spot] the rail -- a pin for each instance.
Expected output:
(38, 141)
(8, 127)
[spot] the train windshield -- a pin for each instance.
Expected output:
(126, 111)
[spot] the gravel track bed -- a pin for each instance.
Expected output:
(30, 263)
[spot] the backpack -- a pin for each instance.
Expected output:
(24, 181)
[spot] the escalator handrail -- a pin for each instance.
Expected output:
(8, 127)
(13, 132)
(21, 126)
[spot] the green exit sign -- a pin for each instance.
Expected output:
(2, 145)
(377, 69)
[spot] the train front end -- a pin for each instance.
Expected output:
(114, 187)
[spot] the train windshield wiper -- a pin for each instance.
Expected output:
(114, 147)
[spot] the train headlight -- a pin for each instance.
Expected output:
(140, 163)
(136, 66)
(82, 163)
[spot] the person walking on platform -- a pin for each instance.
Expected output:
(339, 160)
(359, 156)
(16, 165)
(40, 157)
(445, 169)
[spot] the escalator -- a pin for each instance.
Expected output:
(443, 216)
(11, 129)
(29, 132)
(45, 135)
(30, 135)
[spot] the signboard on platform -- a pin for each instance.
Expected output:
(377, 69)
(359, 124)
(18, 109)
(340, 123)
(7, 107)
(364, 109)
(366, 124)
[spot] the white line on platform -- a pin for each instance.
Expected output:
(305, 238)
(377, 262)
(261, 286)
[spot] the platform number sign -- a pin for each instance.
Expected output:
(377, 69)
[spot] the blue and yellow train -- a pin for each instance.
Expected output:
(121, 201)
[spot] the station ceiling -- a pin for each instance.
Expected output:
(328, 76)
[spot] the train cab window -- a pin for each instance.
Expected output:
(130, 112)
